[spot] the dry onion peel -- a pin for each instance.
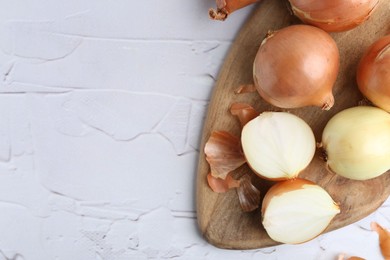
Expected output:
(226, 7)
(296, 211)
(278, 145)
(384, 239)
(244, 112)
(373, 74)
(219, 185)
(297, 66)
(247, 88)
(357, 142)
(248, 194)
(223, 153)
(334, 15)
(342, 257)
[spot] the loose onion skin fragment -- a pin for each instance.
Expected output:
(226, 7)
(278, 145)
(373, 74)
(244, 112)
(342, 257)
(219, 185)
(357, 142)
(248, 194)
(384, 239)
(333, 15)
(223, 153)
(296, 211)
(297, 66)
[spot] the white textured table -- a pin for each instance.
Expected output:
(101, 110)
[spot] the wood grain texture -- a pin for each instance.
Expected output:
(220, 218)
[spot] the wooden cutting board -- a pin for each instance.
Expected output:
(220, 218)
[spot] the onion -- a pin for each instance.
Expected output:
(226, 7)
(297, 66)
(333, 15)
(357, 142)
(278, 145)
(295, 211)
(373, 74)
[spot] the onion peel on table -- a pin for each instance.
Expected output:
(223, 153)
(248, 194)
(384, 239)
(244, 112)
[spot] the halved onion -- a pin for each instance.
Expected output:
(278, 145)
(296, 211)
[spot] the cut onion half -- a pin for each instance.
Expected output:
(296, 211)
(278, 145)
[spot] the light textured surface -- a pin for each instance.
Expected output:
(101, 111)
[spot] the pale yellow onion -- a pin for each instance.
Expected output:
(296, 211)
(357, 142)
(297, 66)
(334, 15)
(278, 145)
(373, 74)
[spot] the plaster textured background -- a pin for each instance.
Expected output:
(101, 110)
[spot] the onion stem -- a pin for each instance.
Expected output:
(226, 7)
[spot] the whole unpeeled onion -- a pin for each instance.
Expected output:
(295, 211)
(373, 74)
(357, 142)
(333, 15)
(297, 66)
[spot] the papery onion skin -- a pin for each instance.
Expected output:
(333, 15)
(384, 239)
(278, 145)
(305, 213)
(357, 142)
(219, 185)
(373, 74)
(297, 66)
(248, 194)
(244, 112)
(223, 153)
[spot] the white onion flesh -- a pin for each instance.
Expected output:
(278, 145)
(296, 211)
(357, 142)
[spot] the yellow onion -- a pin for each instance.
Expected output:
(357, 142)
(226, 7)
(333, 15)
(278, 145)
(297, 66)
(295, 211)
(373, 74)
